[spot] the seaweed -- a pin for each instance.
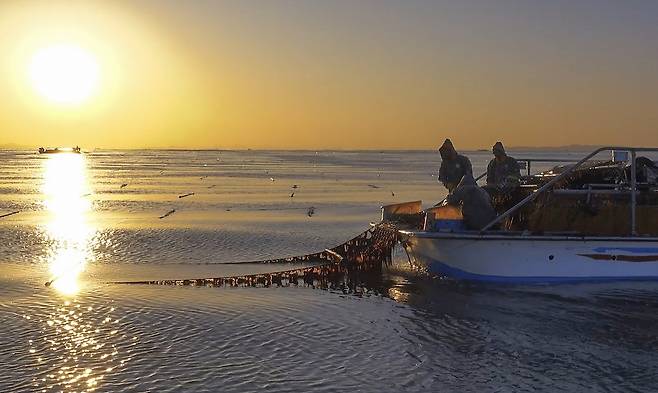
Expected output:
(579, 214)
(345, 267)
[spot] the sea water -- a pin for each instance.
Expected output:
(85, 220)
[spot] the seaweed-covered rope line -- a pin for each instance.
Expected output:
(365, 252)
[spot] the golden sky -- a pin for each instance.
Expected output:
(337, 74)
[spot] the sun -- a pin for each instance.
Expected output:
(64, 73)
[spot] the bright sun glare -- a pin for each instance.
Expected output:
(64, 189)
(64, 73)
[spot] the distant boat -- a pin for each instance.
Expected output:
(75, 150)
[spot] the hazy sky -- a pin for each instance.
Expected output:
(338, 74)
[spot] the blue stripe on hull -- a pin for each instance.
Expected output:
(440, 268)
(634, 250)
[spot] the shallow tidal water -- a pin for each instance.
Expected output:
(85, 220)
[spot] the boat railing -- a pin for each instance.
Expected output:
(632, 191)
(527, 162)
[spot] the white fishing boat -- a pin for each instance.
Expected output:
(588, 221)
(58, 150)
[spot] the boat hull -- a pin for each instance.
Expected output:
(533, 259)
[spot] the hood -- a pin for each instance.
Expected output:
(498, 148)
(447, 149)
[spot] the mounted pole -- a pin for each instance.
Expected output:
(550, 184)
(633, 196)
(543, 188)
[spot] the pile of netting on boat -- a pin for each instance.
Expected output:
(593, 200)
(346, 267)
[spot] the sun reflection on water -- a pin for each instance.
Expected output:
(65, 191)
(79, 347)
(80, 339)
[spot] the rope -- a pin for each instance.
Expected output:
(339, 267)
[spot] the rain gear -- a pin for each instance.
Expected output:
(453, 166)
(503, 171)
(474, 201)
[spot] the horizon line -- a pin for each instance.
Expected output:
(573, 147)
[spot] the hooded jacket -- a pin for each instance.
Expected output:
(504, 172)
(474, 201)
(453, 166)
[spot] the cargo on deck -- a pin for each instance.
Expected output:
(588, 220)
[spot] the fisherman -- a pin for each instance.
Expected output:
(474, 201)
(503, 171)
(453, 166)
